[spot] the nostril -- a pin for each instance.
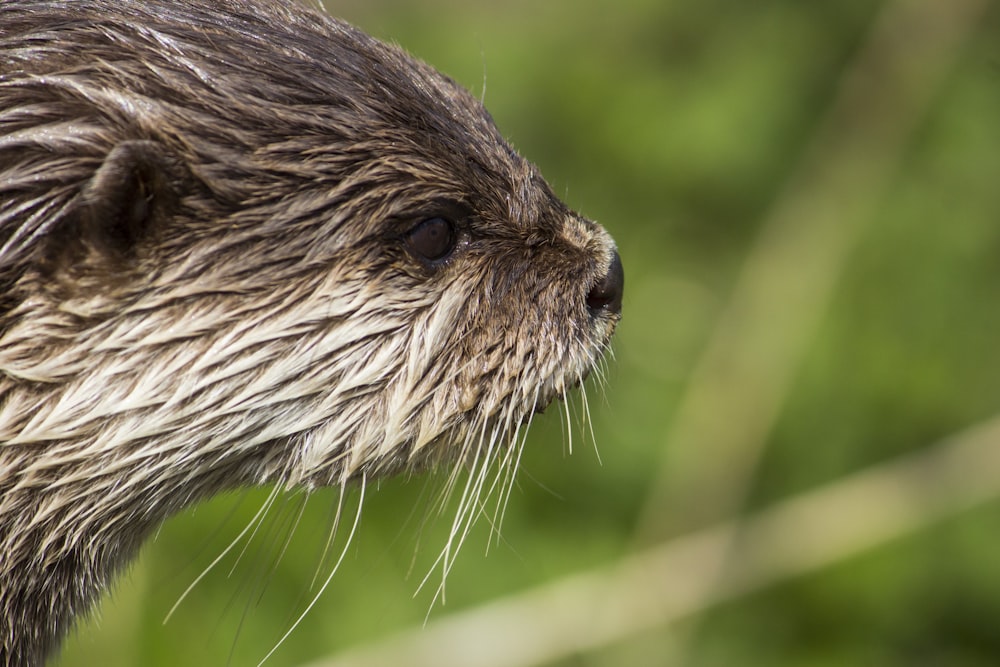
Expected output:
(606, 293)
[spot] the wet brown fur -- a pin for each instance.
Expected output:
(205, 279)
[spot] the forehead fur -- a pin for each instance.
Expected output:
(262, 103)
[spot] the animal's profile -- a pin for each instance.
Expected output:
(242, 243)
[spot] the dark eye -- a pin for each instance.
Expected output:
(432, 240)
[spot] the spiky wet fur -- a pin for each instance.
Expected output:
(267, 323)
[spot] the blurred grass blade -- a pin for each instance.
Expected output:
(740, 384)
(679, 578)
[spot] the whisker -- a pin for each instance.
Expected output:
(466, 514)
(253, 535)
(254, 524)
(336, 566)
(512, 473)
(288, 539)
(331, 535)
(569, 421)
(588, 422)
(262, 572)
(509, 467)
(255, 581)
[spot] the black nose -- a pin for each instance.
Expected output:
(606, 293)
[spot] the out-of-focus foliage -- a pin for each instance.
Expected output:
(676, 124)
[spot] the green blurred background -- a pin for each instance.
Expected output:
(807, 203)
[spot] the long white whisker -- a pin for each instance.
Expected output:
(463, 515)
(443, 556)
(512, 472)
(329, 578)
(253, 523)
(569, 422)
(335, 524)
(264, 574)
(468, 443)
(500, 480)
(588, 422)
(469, 512)
(507, 467)
(291, 534)
(466, 513)
(253, 536)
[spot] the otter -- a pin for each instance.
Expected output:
(243, 243)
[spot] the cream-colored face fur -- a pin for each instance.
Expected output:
(243, 243)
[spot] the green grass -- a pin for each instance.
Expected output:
(678, 125)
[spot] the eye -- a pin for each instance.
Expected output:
(432, 240)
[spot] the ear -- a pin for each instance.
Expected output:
(136, 189)
(131, 198)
